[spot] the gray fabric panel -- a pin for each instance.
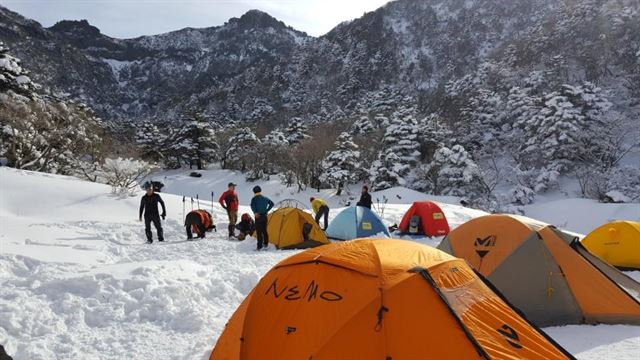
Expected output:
(445, 245)
(631, 286)
(524, 277)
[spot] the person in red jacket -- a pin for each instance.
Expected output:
(229, 201)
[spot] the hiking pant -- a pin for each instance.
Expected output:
(233, 219)
(261, 231)
(147, 227)
(323, 211)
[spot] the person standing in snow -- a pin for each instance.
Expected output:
(260, 205)
(320, 208)
(365, 198)
(229, 201)
(149, 206)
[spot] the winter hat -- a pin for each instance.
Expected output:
(257, 189)
(365, 188)
(311, 198)
(245, 217)
(231, 184)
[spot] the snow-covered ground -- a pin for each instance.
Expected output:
(78, 282)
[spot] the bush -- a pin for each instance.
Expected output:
(124, 174)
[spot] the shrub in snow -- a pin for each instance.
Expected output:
(521, 195)
(614, 184)
(340, 165)
(124, 174)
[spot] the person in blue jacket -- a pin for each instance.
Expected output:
(260, 205)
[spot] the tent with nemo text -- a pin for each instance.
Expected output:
(545, 272)
(378, 299)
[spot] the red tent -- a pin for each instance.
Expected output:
(432, 219)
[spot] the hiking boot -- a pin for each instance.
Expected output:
(161, 240)
(149, 241)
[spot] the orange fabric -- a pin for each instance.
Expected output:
(432, 218)
(598, 297)
(325, 303)
(494, 236)
(205, 218)
(285, 228)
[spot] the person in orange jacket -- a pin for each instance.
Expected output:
(199, 222)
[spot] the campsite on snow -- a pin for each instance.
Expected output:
(412, 179)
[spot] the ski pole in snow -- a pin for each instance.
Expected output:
(191, 204)
(198, 200)
(183, 208)
(212, 203)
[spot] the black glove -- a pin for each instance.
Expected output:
(163, 216)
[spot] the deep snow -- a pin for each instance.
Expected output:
(78, 283)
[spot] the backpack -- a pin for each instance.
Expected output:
(414, 225)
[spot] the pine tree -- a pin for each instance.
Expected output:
(452, 172)
(152, 141)
(341, 164)
(196, 141)
(400, 151)
(296, 131)
(362, 126)
(13, 78)
(242, 150)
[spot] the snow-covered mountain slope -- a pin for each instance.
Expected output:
(78, 282)
(255, 68)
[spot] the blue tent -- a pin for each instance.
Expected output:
(356, 222)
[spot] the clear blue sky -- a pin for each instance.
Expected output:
(131, 18)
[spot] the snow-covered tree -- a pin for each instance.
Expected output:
(242, 150)
(275, 138)
(124, 174)
(452, 172)
(569, 127)
(196, 142)
(13, 78)
(296, 131)
(152, 141)
(340, 165)
(400, 151)
(362, 126)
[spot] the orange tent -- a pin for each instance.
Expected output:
(545, 272)
(378, 299)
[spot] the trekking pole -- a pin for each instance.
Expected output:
(183, 208)
(191, 204)
(198, 200)
(212, 203)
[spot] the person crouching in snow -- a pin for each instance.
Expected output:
(149, 206)
(320, 208)
(246, 226)
(260, 205)
(199, 222)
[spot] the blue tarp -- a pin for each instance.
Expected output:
(356, 222)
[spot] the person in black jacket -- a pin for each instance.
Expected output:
(149, 206)
(365, 198)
